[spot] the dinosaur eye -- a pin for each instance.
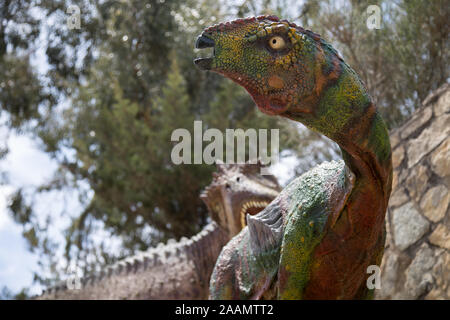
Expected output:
(277, 43)
(238, 179)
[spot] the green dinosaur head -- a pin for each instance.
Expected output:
(274, 60)
(288, 71)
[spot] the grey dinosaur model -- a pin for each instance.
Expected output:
(182, 269)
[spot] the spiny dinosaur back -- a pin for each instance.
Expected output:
(175, 270)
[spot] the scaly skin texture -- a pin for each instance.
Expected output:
(182, 269)
(316, 240)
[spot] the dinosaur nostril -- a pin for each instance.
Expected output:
(227, 186)
(238, 179)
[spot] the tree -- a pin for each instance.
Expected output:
(401, 62)
(136, 85)
(21, 93)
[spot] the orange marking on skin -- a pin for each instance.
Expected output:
(321, 79)
(276, 82)
(321, 83)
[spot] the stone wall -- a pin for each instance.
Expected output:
(416, 263)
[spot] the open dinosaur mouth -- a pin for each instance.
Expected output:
(252, 208)
(204, 42)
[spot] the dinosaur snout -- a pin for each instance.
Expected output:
(203, 41)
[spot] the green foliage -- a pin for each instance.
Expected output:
(20, 90)
(6, 294)
(402, 62)
(123, 150)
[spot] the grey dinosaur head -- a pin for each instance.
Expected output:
(238, 190)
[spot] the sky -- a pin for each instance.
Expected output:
(26, 166)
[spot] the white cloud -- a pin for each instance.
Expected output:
(26, 166)
(16, 263)
(25, 163)
(284, 170)
(5, 219)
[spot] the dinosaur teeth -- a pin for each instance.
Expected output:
(253, 204)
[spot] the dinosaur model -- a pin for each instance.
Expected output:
(318, 237)
(181, 269)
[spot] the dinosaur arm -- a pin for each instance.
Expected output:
(277, 246)
(248, 264)
(322, 195)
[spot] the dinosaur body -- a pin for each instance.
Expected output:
(317, 238)
(182, 269)
(176, 270)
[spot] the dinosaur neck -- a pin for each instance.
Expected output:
(346, 114)
(367, 152)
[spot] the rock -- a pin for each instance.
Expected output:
(394, 138)
(428, 140)
(434, 96)
(443, 104)
(398, 198)
(402, 176)
(441, 269)
(397, 156)
(389, 275)
(417, 121)
(417, 181)
(441, 237)
(435, 294)
(389, 240)
(418, 276)
(434, 203)
(409, 226)
(441, 275)
(440, 162)
(394, 179)
(416, 262)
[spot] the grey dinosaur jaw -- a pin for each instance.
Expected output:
(204, 63)
(251, 207)
(204, 41)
